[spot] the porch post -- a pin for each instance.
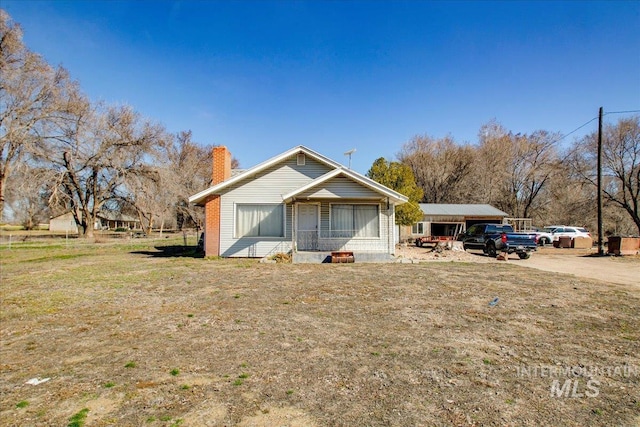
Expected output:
(294, 247)
(391, 227)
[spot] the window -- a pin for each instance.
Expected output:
(417, 228)
(259, 221)
(355, 221)
(474, 229)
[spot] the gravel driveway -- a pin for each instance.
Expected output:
(581, 263)
(614, 270)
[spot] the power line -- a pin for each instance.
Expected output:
(622, 112)
(574, 131)
(595, 118)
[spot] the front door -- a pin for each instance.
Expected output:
(307, 227)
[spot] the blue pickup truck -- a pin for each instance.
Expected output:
(496, 238)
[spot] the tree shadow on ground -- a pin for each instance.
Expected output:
(173, 251)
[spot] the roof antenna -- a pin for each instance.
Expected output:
(349, 153)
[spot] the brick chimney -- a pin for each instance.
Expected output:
(221, 164)
(221, 172)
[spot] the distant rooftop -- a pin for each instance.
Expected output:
(461, 209)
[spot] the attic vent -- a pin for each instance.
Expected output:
(301, 159)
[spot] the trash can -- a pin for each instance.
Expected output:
(618, 245)
(582, 242)
(564, 242)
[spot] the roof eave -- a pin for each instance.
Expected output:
(199, 198)
(393, 196)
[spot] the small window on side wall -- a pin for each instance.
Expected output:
(418, 228)
(301, 159)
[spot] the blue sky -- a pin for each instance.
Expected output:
(261, 77)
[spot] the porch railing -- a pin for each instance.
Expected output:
(337, 240)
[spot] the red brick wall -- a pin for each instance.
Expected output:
(212, 226)
(221, 172)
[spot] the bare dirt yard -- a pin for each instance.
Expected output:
(144, 334)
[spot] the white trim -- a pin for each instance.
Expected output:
(296, 223)
(284, 221)
(362, 180)
(423, 223)
(338, 169)
(318, 209)
(199, 197)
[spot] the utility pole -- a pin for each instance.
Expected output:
(600, 244)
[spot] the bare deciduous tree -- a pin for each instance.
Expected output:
(93, 149)
(189, 167)
(513, 171)
(28, 191)
(621, 164)
(440, 166)
(31, 92)
(532, 161)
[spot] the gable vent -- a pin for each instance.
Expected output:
(301, 159)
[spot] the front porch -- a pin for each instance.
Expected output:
(362, 226)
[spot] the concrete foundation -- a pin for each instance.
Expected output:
(325, 257)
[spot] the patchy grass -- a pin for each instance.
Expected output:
(78, 419)
(274, 344)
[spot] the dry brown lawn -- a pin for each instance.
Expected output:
(140, 336)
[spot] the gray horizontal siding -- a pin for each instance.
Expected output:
(341, 187)
(267, 186)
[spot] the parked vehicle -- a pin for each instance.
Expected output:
(558, 231)
(544, 236)
(421, 241)
(494, 238)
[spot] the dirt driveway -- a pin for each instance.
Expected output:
(614, 270)
(581, 263)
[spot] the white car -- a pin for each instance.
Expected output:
(544, 236)
(558, 231)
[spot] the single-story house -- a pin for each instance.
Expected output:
(64, 223)
(107, 220)
(104, 221)
(298, 201)
(448, 220)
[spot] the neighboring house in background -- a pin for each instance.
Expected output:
(104, 221)
(441, 220)
(64, 223)
(112, 221)
(299, 201)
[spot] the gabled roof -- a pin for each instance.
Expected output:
(461, 209)
(116, 216)
(338, 169)
(393, 196)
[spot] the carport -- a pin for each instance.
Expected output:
(448, 220)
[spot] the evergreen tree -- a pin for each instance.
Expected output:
(399, 177)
